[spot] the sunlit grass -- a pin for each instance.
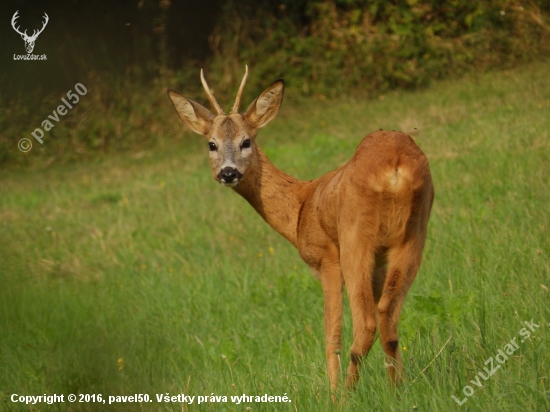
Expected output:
(139, 274)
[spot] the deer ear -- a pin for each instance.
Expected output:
(197, 117)
(262, 110)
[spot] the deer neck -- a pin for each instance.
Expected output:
(276, 196)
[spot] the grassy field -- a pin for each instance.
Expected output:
(139, 274)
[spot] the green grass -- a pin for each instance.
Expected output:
(139, 274)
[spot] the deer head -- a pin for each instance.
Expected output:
(231, 138)
(29, 40)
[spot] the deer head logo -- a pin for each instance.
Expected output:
(29, 40)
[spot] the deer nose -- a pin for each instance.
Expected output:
(228, 174)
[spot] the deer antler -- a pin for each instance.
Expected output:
(35, 32)
(235, 108)
(211, 97)
(13, 19)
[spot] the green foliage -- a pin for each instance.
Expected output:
(320, 47)
(335, 47)
(115, 115)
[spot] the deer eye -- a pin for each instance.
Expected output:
(212, 146)
(246, 144)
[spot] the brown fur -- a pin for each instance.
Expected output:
(362, 226)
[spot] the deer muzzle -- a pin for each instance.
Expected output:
(229, 176)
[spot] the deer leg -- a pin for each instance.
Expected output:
(402, 268)
(357, 270)
(331, 280)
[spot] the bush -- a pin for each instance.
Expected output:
(321, 48)
(331, 47)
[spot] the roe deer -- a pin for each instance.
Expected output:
(363, 225)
